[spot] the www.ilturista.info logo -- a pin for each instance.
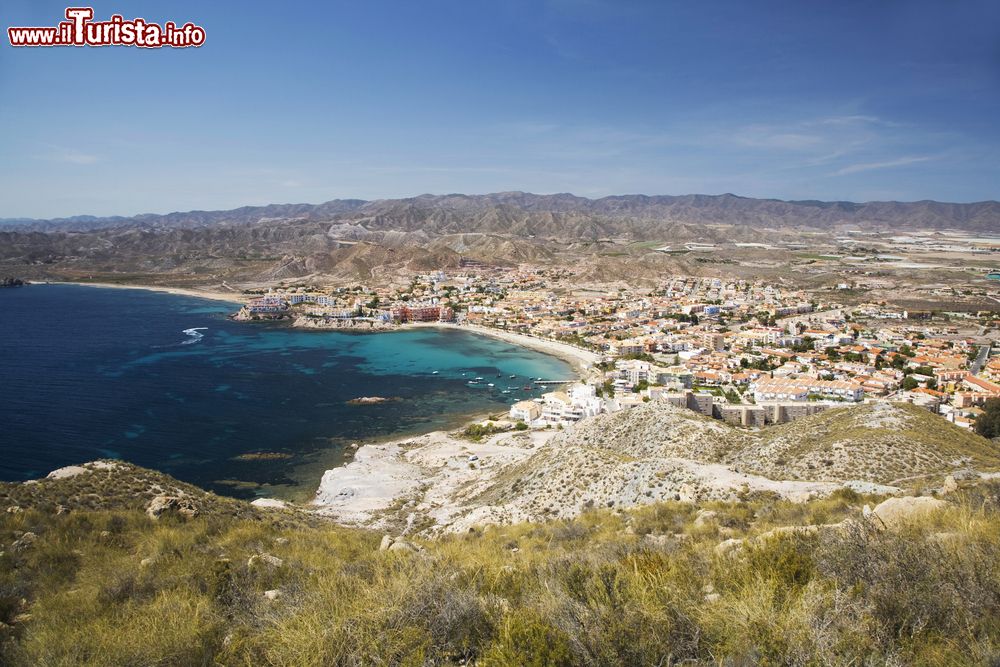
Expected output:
(81, 30)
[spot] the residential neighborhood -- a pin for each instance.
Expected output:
(746, 352)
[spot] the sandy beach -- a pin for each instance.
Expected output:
(229, 297)
(580, 359)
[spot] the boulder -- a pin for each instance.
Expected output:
(23, 543)
(895, 512)
(273, 594)
(269, 503)
(265, 559)
(386, 543)
(164, 503)
(950, 485)
(658, 540)
(402, 545)
(728, 547)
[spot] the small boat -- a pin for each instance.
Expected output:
(526, 387)
(478, 379)
(434, 373)
(512, 377)
(491, 385)
(505, 391)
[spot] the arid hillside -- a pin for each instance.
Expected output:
(610, 238)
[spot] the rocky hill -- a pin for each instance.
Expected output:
(649, 454)
(884, 443)
(113, 485)
(658, 452)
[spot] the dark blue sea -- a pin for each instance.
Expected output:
(168, 382)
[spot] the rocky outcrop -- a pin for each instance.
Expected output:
(897, 512)
(346, 324)
(159, 505)
(369, 400)
(398, 544)
(24, 542)
(265, 560)
(67, 472)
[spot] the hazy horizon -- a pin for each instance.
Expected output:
(11, 219)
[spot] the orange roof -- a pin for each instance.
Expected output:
(982, 384)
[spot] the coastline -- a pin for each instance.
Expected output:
(377, 473)
(233, 298)
(578, 358)
(581, 360)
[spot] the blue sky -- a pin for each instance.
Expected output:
(310, 101)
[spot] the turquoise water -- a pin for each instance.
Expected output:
(168, 382)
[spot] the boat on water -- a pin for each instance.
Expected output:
(434, 372)
(512, 377)
(478, 379)
(491, 385)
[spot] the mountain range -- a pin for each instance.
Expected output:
(354, 239)
(563, 214)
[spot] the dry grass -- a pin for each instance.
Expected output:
(112, 587)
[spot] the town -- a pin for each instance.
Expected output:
(746, 352)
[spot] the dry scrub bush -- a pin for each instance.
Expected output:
(115, 588)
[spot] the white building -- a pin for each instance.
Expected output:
(525, 411)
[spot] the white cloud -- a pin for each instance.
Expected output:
(870, 166)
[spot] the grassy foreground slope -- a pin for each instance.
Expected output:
(99, 582)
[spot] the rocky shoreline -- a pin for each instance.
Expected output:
(340, 324)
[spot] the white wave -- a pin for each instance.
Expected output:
(195, 335)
